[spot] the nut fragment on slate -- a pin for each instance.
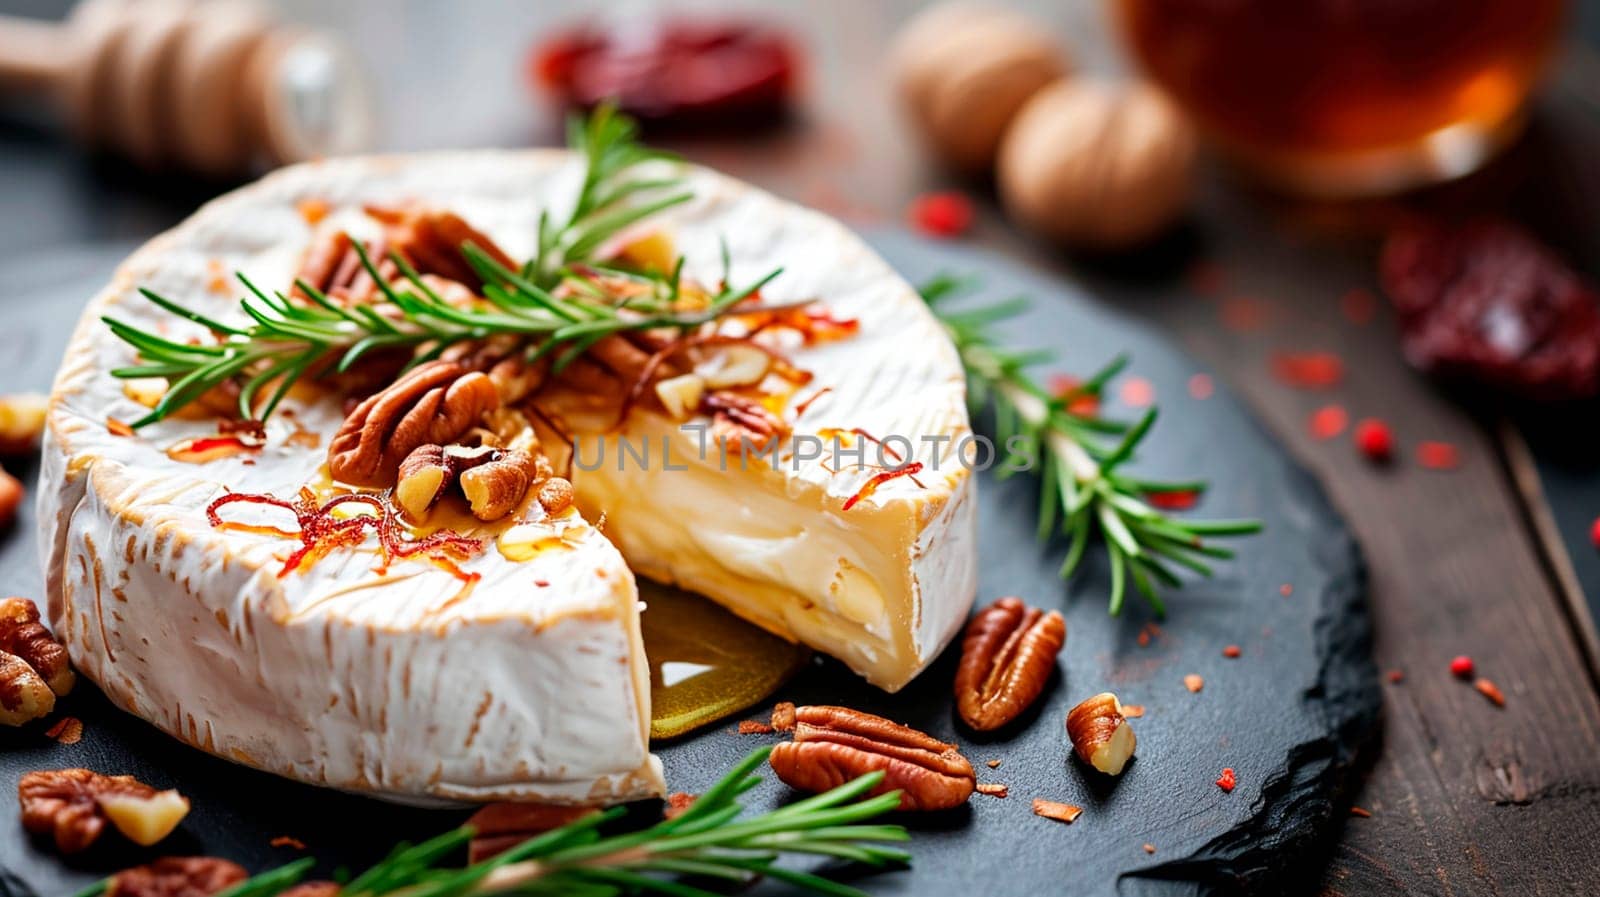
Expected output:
(1100, 734)
(73, 806)
(1060, 812)
(24, 697)
(1006, 658)
(498, 827)
(23, 635)
(177, 877)
(833, 745)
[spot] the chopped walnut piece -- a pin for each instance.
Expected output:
(1060, 812)
(24, 697)
(67, 730)
(993, 789)
(783, 716)
(1193, 682)
(678, 803)
(753, 727)
(992, 764)
(74, 805)
(176, 877)
(23, 635)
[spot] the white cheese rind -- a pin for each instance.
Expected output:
(533, 685)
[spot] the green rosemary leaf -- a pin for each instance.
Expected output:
(194, 316)
(270, 883)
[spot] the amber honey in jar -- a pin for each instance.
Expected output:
(1349, 97)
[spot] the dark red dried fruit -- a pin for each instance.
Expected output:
(946, 214)
(1486, 301)
(1375, 439)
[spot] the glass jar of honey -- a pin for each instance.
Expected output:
(1348, 97)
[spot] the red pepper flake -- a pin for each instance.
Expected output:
(286, 841)
(1397, 676)
(1201, 387)
(67, 730)
(752, 727)
(678, 803)
(1175, 500)
(1308, 370)
(1491, 691)
(542, 583)
(1359, 305)
(1069, 390)
(1133, 711)
(1462, 667)
(1231, 652)
(1149, 848)
(1358, 811)
(1243, 315)
(1328, 421)
(1137, 392)
(1438, 455)
(1286, 590)
(1226, 781)
(943, 214)
(871, 485)
(1375, 440)
(1194, 682)
(993, 789)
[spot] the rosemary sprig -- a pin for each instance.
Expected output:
(1080, 459)
(285, 341)
(708, 841)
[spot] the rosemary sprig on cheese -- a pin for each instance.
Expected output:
(288, 339)
(1079, 458)
(707, 841)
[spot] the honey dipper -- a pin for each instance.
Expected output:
(213, 87)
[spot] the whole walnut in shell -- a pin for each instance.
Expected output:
(964, 70)
(1097, 164)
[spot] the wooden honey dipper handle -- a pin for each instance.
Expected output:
(209, 86)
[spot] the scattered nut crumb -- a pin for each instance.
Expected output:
(783, 716)
(1149, 848)
(1060, 812)
(1226, 781)
(67, 730)
(1358, 811)
(993, 764)
(1231, 652)
(993, 789)
(1194, 682)
(286, 841)
(1397, 676)
(1147, 633)
(1133, 711)
(1491, 691)
(751, 727)
(678, 802)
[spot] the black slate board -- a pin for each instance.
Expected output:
(1289, 715)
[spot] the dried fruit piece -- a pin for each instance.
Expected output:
(1461, 666)
(70, 806)
(1227, 781)
(177, 877)
(1006, 658)
(1438, 455)
(833, 745)
(1100, 733)
(1328, 421)
(1231, 652)
(1486, 301)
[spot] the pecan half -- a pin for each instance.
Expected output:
(498, 827)
(177, 877)
(833, 745)
(432, 241)
(1006, 659)
(432, 403)
(73, 806)
(740, 423)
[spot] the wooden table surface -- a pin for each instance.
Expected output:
(1464, 798)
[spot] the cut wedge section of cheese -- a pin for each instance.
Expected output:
(520, 672)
